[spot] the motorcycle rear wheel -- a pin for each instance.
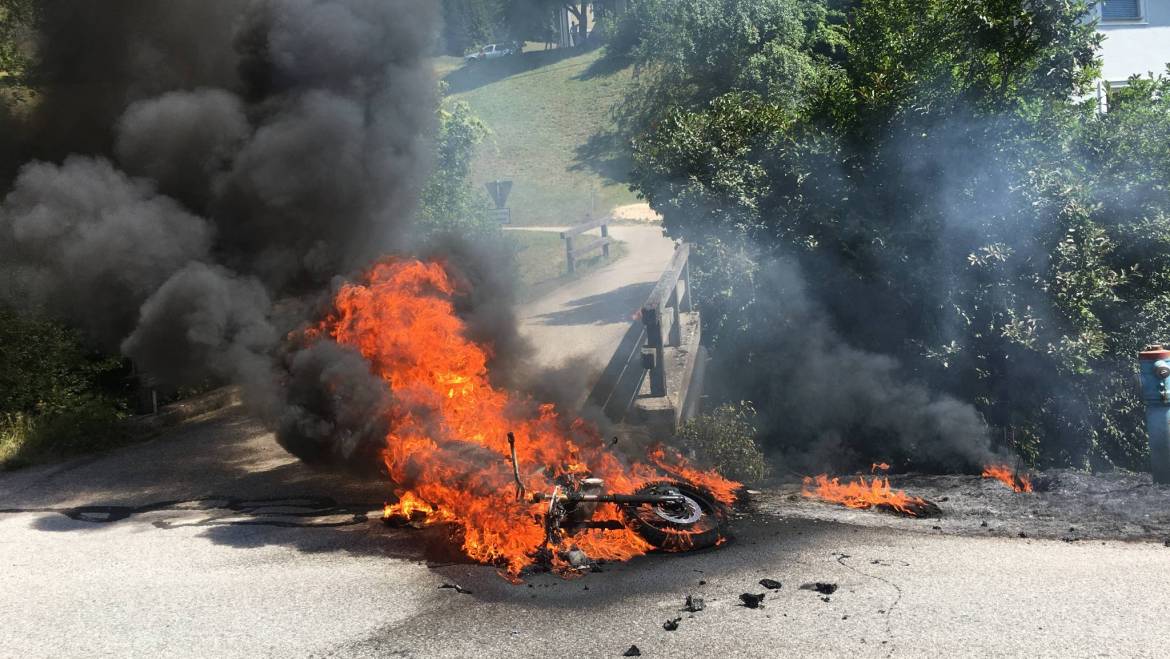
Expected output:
(697, 523)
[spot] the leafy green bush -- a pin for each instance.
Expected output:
(449, 203)
(44, 367)
(54, 398)
(726, 439)
(15, 429)
(90, 424)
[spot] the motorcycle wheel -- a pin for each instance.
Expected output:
(697, 523)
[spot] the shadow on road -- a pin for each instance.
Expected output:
(223, 475)
(616, 306)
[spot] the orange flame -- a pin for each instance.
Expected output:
(1007, 476)
(412, 509)
(863, 493)
(878, 466)
(447, 444)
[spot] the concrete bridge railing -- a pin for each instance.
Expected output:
(655, 376)
(662, 318)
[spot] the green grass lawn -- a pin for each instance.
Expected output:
(540, 258)
(548, 112)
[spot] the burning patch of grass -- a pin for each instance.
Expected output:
(1008, 476)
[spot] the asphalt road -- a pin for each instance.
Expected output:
(212, 542)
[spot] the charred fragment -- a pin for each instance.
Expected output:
(821, 587)
(752, 600)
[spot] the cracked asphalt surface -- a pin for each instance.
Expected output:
(213, 542)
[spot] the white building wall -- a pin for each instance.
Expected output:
(1138, 47)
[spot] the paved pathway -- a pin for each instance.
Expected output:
(588, 316)
(214, 542)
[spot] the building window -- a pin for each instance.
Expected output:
(1121, 11)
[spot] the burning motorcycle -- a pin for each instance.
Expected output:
(671, 515)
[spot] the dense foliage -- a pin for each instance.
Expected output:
(693, 52)
(950, 198)
(16, 20)
(56, 397)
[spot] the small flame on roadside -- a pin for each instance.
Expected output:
(863, 493)
(878, 466)
(1006, 475)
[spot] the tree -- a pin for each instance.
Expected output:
(949, 200)
(581, 13)
(689, 53)
(17, 18)
(448, 200)
(470, 23)
(529, 17)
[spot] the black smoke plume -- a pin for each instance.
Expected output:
(832, 405)
(196, 174)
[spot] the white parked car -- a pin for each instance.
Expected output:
(490, 51)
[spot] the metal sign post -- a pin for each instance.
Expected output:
(499, 190)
